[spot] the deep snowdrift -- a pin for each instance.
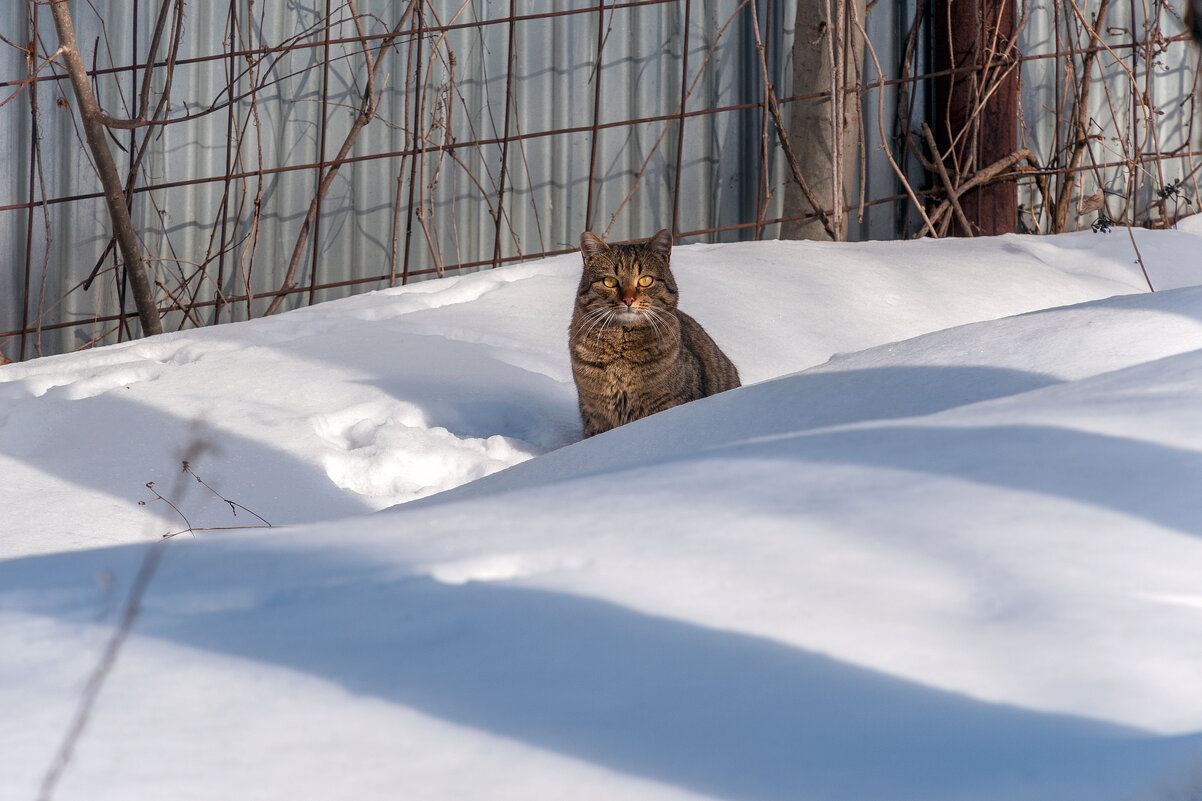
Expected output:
(958, 560)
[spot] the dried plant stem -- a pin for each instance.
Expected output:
(114, 192)
(151, 559)
(100, 673)
(794, 168)
(880, 120)
(679, 110)
(1139, 258)
(1080, 119)
(367, 112)
(782, 135)
(980, 178)
(953, 195)
(186, 309)
(189, 528)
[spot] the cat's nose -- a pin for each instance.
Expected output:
(628, 301)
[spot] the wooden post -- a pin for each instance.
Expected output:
(973, 40)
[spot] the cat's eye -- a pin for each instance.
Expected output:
(610, 282)
(646, 280)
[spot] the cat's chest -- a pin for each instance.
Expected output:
(623, 350)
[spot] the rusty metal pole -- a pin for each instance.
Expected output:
(972, 39)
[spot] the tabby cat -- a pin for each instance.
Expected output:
(633, 353)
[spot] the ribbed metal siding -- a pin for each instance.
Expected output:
(303, 116)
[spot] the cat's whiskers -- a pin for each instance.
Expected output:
(594, 327)
(603, 317)
(595, 310)
(649, 313)
(599, 317)
(609, 318)
(593, 314)
(657, 318)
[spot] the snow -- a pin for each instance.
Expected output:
(943, 544)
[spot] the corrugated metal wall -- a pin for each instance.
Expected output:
(1141, 110)
(409, 206)
(564, 116)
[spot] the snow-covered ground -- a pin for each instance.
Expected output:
(943, 544)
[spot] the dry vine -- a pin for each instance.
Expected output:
(1110, 155)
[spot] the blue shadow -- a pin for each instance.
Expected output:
(716, 712)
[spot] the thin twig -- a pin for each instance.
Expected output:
(667, 126)
(151, 559)
(791, 158)
(980, 178)
(366, 113)
(234, 505)
(880, 120)
(782, 135)
(188, 527)
(94, 129)
(953, 196)
(1139, 258)
(179, 304)
(158, 496)
(100, 673)
(1080, 115)
(30, 79)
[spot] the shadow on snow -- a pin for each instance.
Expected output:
(716, 712)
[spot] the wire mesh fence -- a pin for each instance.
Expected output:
(272, 156)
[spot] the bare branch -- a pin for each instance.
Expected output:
(679, 109)
(980, 178)
(783, 136)
(880, 120)
(953, 195)
(1080, 115)
(366, 113)
(114, 194)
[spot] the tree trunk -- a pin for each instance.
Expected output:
(977, 105)
(828, 53)
(110, 180)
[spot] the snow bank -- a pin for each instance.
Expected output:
(931, 551)
(360, 404)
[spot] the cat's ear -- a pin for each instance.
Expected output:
(592, 245)
(661, 243)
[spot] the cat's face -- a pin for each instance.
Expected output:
(627, 284)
